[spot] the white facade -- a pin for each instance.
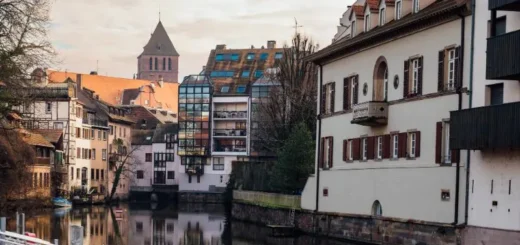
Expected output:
(145, 183)
(498, 166)
(409, 187)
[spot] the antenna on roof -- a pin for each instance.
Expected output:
(97, 65)
(296, 26)
(159, 12)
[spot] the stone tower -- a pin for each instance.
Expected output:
(159, 58)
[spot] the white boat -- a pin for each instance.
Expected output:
(61, 202)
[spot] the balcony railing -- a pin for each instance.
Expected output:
(194, 169)
(230, 148)
(43, 161)
(490, 127)
(95, 122)
(370, 113)
(230, 114)
(511, 5)
(230, 132)
(503, 59)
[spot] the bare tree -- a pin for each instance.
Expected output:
(24, 46)
(123, 162)
(292, 99)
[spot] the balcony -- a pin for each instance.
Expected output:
(490, 127)
(229, 133)
(370, 113)
(503, 61)
(508, 5)
(230, 115)
(230, 148)
(194, 169)
(95, 122)
(42, 161)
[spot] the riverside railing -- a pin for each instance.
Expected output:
(13, 238)
(268, 199)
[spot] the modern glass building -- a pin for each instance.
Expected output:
(194, 123)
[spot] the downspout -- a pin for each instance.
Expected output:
(459, 92)
(470, 94)
(319, 142)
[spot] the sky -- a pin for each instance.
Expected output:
(108, 35)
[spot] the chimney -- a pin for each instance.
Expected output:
(78, 83)
(93, 73)
(97, 96)
(252, 47)
(271, 44)
(161, 82)
(221, 47)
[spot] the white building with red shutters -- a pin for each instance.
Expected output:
(385, 95)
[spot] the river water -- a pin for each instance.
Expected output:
(152, 224)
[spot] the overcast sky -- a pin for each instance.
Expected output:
(115, 31)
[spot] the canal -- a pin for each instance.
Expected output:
(153, 224)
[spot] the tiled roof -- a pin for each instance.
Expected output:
(129, 95)
(160, 43)
(358, 10)
(373, 4)
(110, 89)
(35, 139)
(51, 135)
(152, 117)
(142, 137)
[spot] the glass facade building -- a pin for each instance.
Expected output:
(195, 94)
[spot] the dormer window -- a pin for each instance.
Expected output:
(398, 9)
(415, 6)
(353, 29)
(382, 16)
(367, 22)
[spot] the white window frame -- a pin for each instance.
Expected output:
(416, 6)
(367, 22)
(446, 152)
(415, 76)
(350, 157)
(326, 159)
(451, 69)
(382, 16)
(104, 154)
(380, 147)
(353, 29)
(398, 9)
(353, 85)
(364, 150)
(395, 144)
(328, 99)
(413, 144)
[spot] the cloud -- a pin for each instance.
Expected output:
(114, 32)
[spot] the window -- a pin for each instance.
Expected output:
(395, 146)
(58, 125)
(92, 174)
(416, 6)
(500, 26)
(120, 131)
(264, 56)
(246, 73)
(364, 149)
(99, 132)
(382, 16)
(77, 173)
(48, 107)
(171, 174)
(169, 228)
(93, 154)
(218, 163)
(250, 56)
(169, 64)
(150, 64)
(235, 57)
(328, 94)
(451, 69)
(156, 66)
(412, 146)
(380, 147)
(222, 74)
(278, 55)
(102, 174)
(78, 152)
(224, 89)
(139, 227)
(140, 174)
(446, 142)
(367, 22)
(111, 130)
(385, 85)
(148, 157)
(104, 135)
(496, 94)
(164, 64)
(327, 152)
(241, 89)
(398, 9)
(97, 174)
(415, 76)
(104, 154)
(146, 102)
(259, 73)
(350, 156)
(92, 134)
(377, 210)
(219, 57)
(72, 173)
(353, 28)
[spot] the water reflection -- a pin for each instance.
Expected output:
(153, 225)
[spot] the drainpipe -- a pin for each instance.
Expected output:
(319, 143)
(470, 94)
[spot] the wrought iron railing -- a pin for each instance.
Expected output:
(229, 132)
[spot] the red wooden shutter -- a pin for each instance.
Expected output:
(356, 149)
(323, 99)
(406, 77)
(356, 88)
(322, 153)
(370, 147)
(331, 151)
(403, 144)
(458, 69)
(346, 96)
(438, 142)
(345, 143)
(440, 79)
(332, 96)
(455, 156)
(418, 144)
(386, 146)
(420, 78)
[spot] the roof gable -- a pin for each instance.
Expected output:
(159, 43)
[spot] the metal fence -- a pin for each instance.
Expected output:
(268, 199)
(13, 238)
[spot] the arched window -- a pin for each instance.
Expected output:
(380, 84)
(156, 64)
(163, 64)
(150, 65)
(377, 210)
(169, 64)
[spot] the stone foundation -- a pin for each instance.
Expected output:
(486, 236)
(200, 197)
(359, 228)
